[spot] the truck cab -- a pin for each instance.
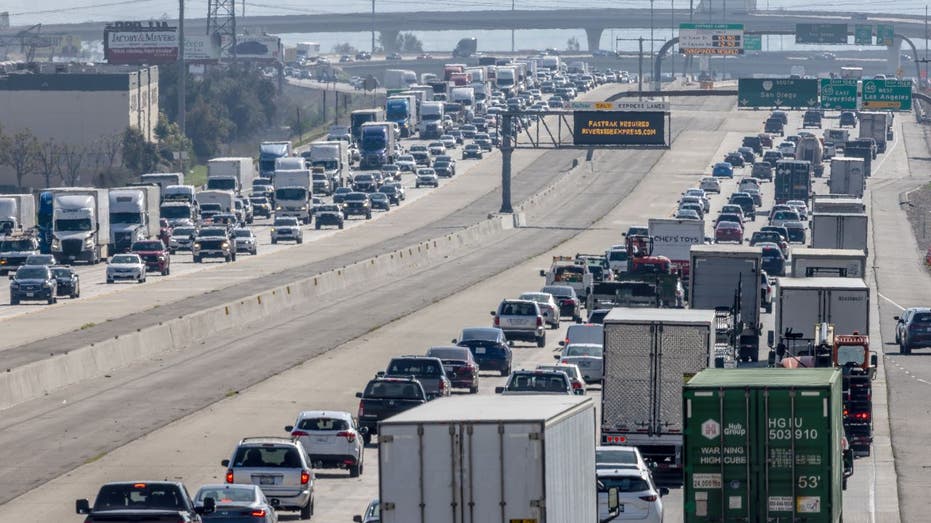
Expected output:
(565, 271)
(14, 249)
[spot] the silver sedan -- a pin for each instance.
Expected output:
(547, 304)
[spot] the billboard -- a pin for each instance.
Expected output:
(257, 48)
(619, 127)
(201, 49)
(716, 39)
(140, 43)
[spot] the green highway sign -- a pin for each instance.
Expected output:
(753, 42)
(890, 95)
(885, 34)
(821, 33)
(863, 34)
(838, 93)
(777, 92)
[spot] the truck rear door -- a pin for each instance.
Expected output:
(848, 310)
(627, 393)
(679, 357)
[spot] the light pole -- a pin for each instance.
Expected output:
(373, 27)
(512, 28)
(182, 88)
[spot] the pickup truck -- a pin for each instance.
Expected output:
(385, 397)
(149, 501)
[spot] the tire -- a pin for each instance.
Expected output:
(904, 348)
(898, 339)
(227, 258)
(300, 241)
(110, 280)
(340, 225)
(541, 341)
(367, 439)
(166, 271)
(355, 471)
(473, 390)
(52, 300)
(769, 308)
(577, 318)
(14, 301)
(255, 251)
(172, 251)
(197, 259)
(368, 216)
(76, 294)
(274, 241)
(306, 511)
(318, 226)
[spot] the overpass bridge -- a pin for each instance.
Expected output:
(593, 21)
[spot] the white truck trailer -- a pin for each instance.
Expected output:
(17, 213)
(477, 459)
(837, 203)
(163, 179)
(802, 303)
(292, 194)
(674, 238)
(845, 263)
(134, 215)
(230, 174)
(648, 354)
(840, 231)
(333, 156)
(80, 224)
(848, 176)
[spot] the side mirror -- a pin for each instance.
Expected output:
(562, 343)
(499, 390)
(579, 392)
(357, 518)
(11, 276)
(663, 491)
(210, 505)
(492, 313)
(770, 338)
(275, 503)
(288, 428)
(364, 431)
(82, 506)
(380, 373)
(542, 273)
(556, 357)
(358, 394)
(454, 341)
(225, 463)
(613, 503)
(896, 318)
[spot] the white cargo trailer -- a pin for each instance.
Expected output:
(477, 459)
(674, 238)
(845, 263)
(648, 354)
(840, 231)
(802, 303)
(848, 176)
(835, 203)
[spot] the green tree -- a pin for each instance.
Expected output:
(139, 155)
(345, 48)
(410, 43)
(573, 44)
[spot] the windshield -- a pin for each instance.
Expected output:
(226, 494)
(616, 456)
(222, 184)
(323, 424)
(624, 484)
(617, 256)
(285, 222)
(80, 224)
(356, 197)
(183, 231)
(594, 351)
(175, 211)
(124, 258)
(291, 193)
(415, 367)
(393, 390)
(850, 354)
(148, 246)
(132, 495)
(449, 353)
(328, 208)
(61, 272)
(363, 178)
(543, 382)
(569, 273)
(31, 273)
(125, 217)
(267, 457)
(24, 244)
(242, 233)
(259, 200)
(479, 334)
(213, 232)
(370, 141)
(328, 165)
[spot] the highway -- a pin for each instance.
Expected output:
(179, 416)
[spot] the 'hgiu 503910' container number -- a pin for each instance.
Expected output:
(783, 434)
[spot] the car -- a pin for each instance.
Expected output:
(774, 261)
(125, 267)
(14, 249)
(379, 200)
(155, 255)
(569, 303)
(723, 170)
(235, 503)
(429, 371)
(617, 258)
(35, 283)
(767, 290)
(446, 169)
(214, 242)
(762, 171)
(787, 149)
(733, 208)
(489, 347)
(575, 375)
(734, 158)
(530, 382)
(287, 228)
(902, 319)
(687, 214)
(756, 195)
(782, 116)
(69, 282)
(621, 457)
(811, 118)
(774, 126)
(800, 207)
(468, 131)
(182, 239)
(245, 241)
(384, 397)
(331, 439)
(748, 183)
(483, 140)
(772, 156)
(698, 201)
(781, 231)
(547, 304)
(587, 356)
(755, 143)
(357, 204)
(637, 496)
(796, 231)
(372, 513)
(280, 467)
(328, 214)
(728, 232)
(390, 171)
(761, 237)
(780, 217)
(436, 148)
(364, 182)
(422, 158)
(339, 195)
(394, 56)
(745, 201)
(261, 206)
(915, 330)
(699, 193)
(695, 207)
(472, 150)
(520, 320)
(40, 259)
(848, 119)
(729, 217)
(394, 191)
(426, 176)
(460, 366)
(709, 184)
(406, 162)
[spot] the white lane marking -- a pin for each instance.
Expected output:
(890, 301)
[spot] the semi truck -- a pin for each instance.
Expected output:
(845, 263)
(810, 149)
(17, 213)
(506, 80)
(230, 174)
(837, 203)
(801, 303)
(764, 445)
(874, 125)
(402, 110)
(648, 353)
(362, 116)
(431, 120)
(728, 277)
(377, 145)
(674, 238)
(80, 224)
(333, 157)
(840, 231)
(464, 96)
(465, 48)
(399, 78)
(293, 193)
(268, 153)
(476, 459)
(792, 180)
(848, 176)
(162, 179)
(212, 202)
(134, 216)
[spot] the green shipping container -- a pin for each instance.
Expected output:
(763, 445)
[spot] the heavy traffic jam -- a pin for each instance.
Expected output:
(719, 353)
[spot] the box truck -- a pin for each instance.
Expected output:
(80, 224)
(674, 238)
(134, 216)
(333, 157)
(845, 263)
(792, 180)
(163, 179)
(399, 78)
(802, 303)
(230, 174)
(476, 459)
(764, 445)
(848, 176)
(874, 125)
(648, 354)
(728, 277)
(17, 213)
(292, 194)
(839, 231)
(837, 203)
(361, 116)
(431, 120)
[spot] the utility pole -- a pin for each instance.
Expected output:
(926, 51)
(672, 34)
(640, 72)
(512, 28)
(506, 150)
(651, 30)
(373, 27)
(182, 87)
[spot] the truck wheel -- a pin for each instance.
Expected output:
(51, 300)
(14, 301)
(110, 280)
(355, 470)
(367, 439)
(228, 258)
(306, 511)
(165, 271)
(541, 341)
(769, 308)
(318, 226)
(340, 225)
(274, 241)
(300, 241)
(904, 348)
(197, 259)
(473, 390)
(368, 216)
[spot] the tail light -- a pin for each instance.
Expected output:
(442, 385)
(229, 475)
(576, 385)
(497, 321)
(539, 321)
(361, 408)
(299, 433)
(258, 513)
(348, 434)
(649, 498)
(305, 477)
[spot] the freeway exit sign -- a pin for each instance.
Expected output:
(891, 95)
(777, 92)
(821, 33)
(837, 93)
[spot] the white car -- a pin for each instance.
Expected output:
(331, 439)
(406, 162)
(426, 176)
(126, 267)
(702, 197)
(449, 141)
(287, 228)
(787, 149)
(588, 357)
(547, 304)
(437, 148)
(620, 457)
(638, 497)
(246, 241)
(800, 207)
(709, 184)
(617, 258)
(748, 183)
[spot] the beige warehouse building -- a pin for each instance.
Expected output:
(78, 104)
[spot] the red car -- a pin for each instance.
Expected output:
(728, 232)
(459, 365)
(154, 255)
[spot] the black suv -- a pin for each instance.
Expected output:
(745, 201)
(427, 370)
(384, 397)
(811, 118)
(69, 283)
(357, 203)
(33, 282)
